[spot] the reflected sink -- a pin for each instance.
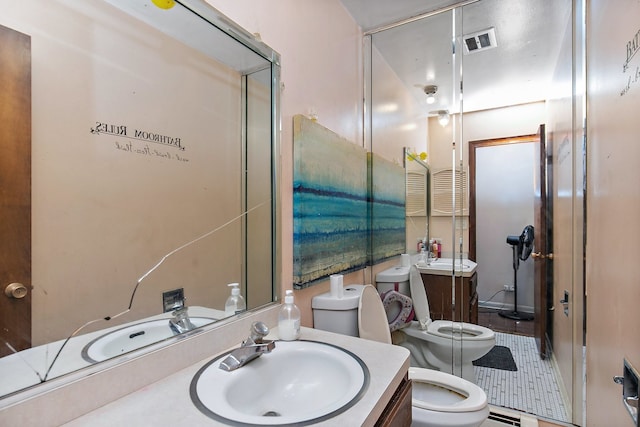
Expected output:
(448, 264)
(131, 338)
(444, 266)
(299, 382)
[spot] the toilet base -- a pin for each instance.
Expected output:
(421, 359)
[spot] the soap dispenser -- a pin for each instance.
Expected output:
(235, 303)
(289, 319)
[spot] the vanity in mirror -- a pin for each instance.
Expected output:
(144, 153)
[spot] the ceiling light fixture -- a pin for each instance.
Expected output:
(442, 115)
(430, 91)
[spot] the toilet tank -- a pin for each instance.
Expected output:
(339, 315)
(394, 279)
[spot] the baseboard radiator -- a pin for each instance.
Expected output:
(503, 418)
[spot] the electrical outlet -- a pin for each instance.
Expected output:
(508, 288)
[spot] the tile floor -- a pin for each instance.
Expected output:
(532, 388)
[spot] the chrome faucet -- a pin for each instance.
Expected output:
(180, 322)
(252, 348)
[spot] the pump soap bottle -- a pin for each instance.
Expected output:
(289, 319)
(235, 303)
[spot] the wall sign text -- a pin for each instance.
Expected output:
(141, 141)
(633, 77)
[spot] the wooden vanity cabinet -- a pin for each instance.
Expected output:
(440, 302)
(398, 411)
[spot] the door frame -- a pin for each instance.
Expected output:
(541, 288)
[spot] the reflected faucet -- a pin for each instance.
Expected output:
(252, 348)
(180, 322)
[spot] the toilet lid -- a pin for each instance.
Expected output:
(442, 392)
(372, 319)
(419, 297)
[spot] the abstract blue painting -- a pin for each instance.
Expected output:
(330, 207)
(387, 206)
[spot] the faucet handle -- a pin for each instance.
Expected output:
(258, 331)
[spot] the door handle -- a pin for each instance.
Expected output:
(541, 255)
(16, 290)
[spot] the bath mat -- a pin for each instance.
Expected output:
(499, 357)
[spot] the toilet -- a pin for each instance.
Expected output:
(438, 399)
(444, 345)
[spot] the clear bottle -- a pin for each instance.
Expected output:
(289, 319)
(235, 303)
(424, 257)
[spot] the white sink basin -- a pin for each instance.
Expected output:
(132, 338)
(299, 382)
(444, 266)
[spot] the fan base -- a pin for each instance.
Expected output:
(516, 315)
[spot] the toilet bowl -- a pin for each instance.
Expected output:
(444, 345)
(441, 399)
(438, 399)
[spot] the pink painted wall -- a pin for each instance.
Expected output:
(613, 205)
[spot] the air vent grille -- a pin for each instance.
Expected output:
(442, 193)
(505, 420)
(416, 193)
(481, 40)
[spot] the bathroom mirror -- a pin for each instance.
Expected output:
(153, 160)
(530, 77)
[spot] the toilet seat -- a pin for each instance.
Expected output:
(469, 397)
(451, 330)
(405, 314)
(440, 331)
(442, 328)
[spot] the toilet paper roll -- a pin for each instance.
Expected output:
(405, 260)
(337, 290)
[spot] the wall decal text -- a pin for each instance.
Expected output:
(140, 141)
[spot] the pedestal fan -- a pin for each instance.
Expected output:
(522, 246)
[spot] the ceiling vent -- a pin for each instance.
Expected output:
(482, 40)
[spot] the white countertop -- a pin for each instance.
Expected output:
(168, 403)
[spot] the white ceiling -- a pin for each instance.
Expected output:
(518, 70)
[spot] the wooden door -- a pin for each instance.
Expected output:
(541, 242)
(15, 191)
